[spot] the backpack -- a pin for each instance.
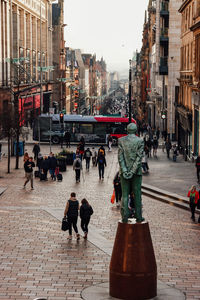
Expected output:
(87, 154)
(77, 164)
(101, 160)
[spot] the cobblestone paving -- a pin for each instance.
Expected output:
(37, 260)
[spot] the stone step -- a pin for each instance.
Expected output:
(167, 197)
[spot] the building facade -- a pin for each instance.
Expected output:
(26, 55)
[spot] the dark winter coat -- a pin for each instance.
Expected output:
(28, 166)
(86, 211)
(45, 164)
(52, 163)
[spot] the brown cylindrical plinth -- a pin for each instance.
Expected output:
(133, 270)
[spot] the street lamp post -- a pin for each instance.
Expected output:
(130, 90)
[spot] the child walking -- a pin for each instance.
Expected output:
(85, 213)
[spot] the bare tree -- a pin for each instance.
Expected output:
(7, 128)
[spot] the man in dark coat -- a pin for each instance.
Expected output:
(67, 138)
(52, 165)
(36, 150)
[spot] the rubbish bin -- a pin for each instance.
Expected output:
(20, 148)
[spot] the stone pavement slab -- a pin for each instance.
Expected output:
(36, 258)
(2, 190)
(101, 292)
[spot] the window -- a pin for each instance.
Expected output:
(34, 65)
(39, 65)
(119, 128)
(86, 128)
(100, 128)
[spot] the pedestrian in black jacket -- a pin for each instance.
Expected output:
(28, 167)
(45, 166)
(36, 150)
(101, 162)
(85, 213)
(52, 165)
(118, 188)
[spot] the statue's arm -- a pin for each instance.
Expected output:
(138, 160)
(121, 158)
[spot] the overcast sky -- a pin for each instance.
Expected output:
(109, 28)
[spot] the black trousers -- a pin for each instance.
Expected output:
(167, 153)
(192, 208)
(87, 163)
(84, 224)
(68, 144)
(78, 173)
(118, 194)
(72, 222)
(101, 171)
(45, 171)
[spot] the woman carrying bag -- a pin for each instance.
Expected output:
(71, 211)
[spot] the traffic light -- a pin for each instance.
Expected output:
(61, 118)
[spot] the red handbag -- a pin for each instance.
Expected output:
(112, 200)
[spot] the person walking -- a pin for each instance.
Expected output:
(158, 133)
(117, 188)
(145, 166)
(45, 167)
(168, 146)
(39, 162)
(94, 156)
(155, 145)
(87, 157)
(52, 165)
(71, 211)
(81, 147)
(175, 152)
(101, 161)
(28, 167)
(198, 167)
(103, 150)
(85, 213)
(194, 197)
(67, 138)
(26, 156)
(36, 150)
(110, 141)
(77, 166)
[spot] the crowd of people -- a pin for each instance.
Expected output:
(98, 159)
(44, 165)
(49, 164)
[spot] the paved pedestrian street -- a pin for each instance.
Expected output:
(37, 260)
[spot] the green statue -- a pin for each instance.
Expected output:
(130, 152)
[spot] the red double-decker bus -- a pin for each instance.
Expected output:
(94, 129)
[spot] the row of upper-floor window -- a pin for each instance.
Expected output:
(31, 66)
(189, 14)
(191, 54)
(187, 57)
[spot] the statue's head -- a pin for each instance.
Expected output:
(132, 128)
